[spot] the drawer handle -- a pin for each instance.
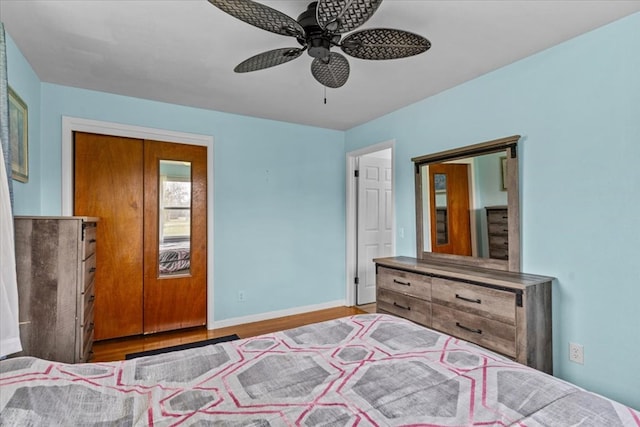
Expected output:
(475, 331)
(401, 306)
(92, 298)
(92, 270)
(475, 301)
(399, 282)
(92, 240)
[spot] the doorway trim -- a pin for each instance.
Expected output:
(351, 214)
(75, 124)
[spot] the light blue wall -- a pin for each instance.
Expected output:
(24, 81)
(488, 180)
(577, 107)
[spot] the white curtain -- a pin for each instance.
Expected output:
(9, 329)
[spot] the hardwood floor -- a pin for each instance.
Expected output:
(116, 349)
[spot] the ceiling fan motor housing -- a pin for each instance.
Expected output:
(318, 41)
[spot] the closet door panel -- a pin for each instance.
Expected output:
(108, 183)
(175, 298)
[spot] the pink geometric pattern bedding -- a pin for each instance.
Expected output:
(365, 370)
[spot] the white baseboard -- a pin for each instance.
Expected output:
(274, 314)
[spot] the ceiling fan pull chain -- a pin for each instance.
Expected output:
(325, 94)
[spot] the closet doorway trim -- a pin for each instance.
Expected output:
(75, 124)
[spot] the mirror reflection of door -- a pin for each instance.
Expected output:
(449, 208)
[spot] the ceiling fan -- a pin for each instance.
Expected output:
(317, 30)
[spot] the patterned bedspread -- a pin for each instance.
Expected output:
(365, 370)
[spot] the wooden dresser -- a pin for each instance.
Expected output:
(56, 264)
(498, 232)
(509, 313)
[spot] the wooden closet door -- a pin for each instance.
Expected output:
(178, 300)
(456, 239)
(108, 183)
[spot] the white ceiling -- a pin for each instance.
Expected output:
(184, 51)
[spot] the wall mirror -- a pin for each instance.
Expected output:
(468, 207)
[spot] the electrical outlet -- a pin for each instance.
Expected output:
(241, 296)
(576, 353)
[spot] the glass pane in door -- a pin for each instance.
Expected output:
(174, 218)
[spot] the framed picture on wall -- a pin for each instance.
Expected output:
(18, 137)
(503, 169)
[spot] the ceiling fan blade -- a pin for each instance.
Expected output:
(332, 71)
(341, 16)
(268, 59)
(384, 43)
(261, 16)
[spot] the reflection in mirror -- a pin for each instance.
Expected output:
(474, 183)
(460, 194)
(174, 213)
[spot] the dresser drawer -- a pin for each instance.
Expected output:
(89, 242)
(87, 352)
(88, 271)
(88, 298)
(499, 252)
(411, 308)
(404, 282)
(499, 241)
(490, 303)
(498, 229)
(497, 216)
(488, 333)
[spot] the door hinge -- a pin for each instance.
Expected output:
(356, 173)
(356, 280)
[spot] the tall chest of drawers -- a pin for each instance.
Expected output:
(498, 232)
(56, 264)
(509, 313)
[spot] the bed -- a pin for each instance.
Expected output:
(175, 257)
(365, 370)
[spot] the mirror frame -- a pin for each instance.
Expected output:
(508, 145)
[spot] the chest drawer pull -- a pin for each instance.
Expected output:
(475, 301)
(475, 331)
(399, 282)
(401, 306)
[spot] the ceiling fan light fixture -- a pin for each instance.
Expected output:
(319, 47)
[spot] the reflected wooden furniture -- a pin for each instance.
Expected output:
(498, 232)
(506, 312)
(56, 265)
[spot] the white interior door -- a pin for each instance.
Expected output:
(375, 221)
